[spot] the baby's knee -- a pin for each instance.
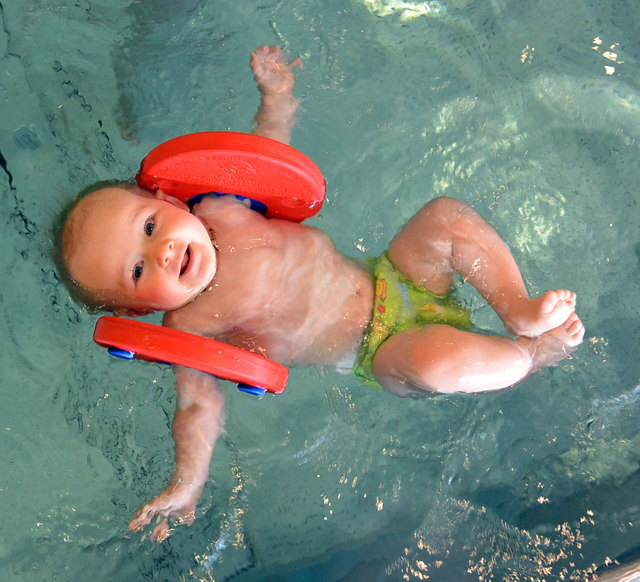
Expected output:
(447, 207)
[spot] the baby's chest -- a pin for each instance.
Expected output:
(250, 295)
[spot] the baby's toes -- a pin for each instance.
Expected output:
(575, 328)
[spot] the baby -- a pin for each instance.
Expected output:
(281, 289)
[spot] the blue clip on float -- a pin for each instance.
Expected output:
(279, 180)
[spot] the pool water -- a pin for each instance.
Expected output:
(527, 110)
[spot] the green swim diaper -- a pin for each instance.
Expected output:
(400, 305)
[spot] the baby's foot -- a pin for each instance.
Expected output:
(556, 344)
(536, 316)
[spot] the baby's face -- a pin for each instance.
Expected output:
(142, 252)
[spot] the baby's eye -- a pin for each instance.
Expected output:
(149, 226)
(137, 272)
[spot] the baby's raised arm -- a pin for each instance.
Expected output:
(275, 78)
(197, 424)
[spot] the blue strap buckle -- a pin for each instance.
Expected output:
(259, 392)
(120, 353)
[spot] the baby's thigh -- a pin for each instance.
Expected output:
(422, 250)
(419, 360)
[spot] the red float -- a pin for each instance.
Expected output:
(284, 179)
(130, 338)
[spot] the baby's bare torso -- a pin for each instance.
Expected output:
(281, 289)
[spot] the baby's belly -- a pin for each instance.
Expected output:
(338, 329)
(317, 327)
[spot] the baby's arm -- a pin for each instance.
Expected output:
(197, 424)
(276, 115)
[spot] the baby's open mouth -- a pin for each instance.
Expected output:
(185, 261)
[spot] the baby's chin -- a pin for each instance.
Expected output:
(190, 295)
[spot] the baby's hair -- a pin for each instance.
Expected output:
(65, 227)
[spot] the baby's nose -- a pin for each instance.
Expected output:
(166, 252)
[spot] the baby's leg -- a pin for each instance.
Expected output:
(446, 237)
(440, 358)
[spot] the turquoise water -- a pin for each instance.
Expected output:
(527, 110)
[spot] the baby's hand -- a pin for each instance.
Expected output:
(271, 70)
(175, 502)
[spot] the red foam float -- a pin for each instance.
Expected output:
(284, 179)
(156, 343)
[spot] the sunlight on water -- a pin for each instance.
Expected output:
(405, 10)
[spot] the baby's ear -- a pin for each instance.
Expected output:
(160, 195)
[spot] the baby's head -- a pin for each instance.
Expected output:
(132, 251)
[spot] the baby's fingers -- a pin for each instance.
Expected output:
(296, 63)
(259, 55)
(279, 59)
(142, 518)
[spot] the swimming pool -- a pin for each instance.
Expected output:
(527, 110)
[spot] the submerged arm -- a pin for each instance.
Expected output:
(275, 78)
(197, 424)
